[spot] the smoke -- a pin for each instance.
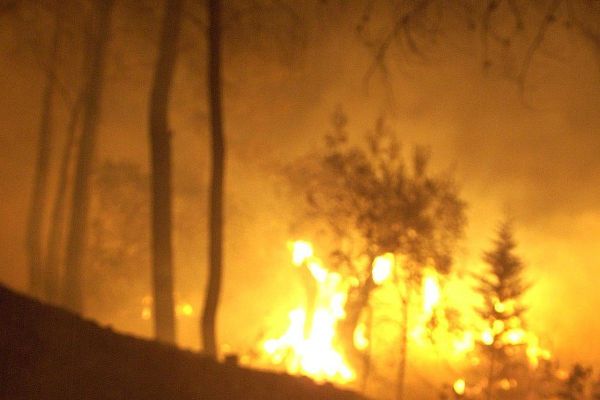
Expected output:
(532, 155)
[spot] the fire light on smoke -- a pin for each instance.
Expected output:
(182, 309)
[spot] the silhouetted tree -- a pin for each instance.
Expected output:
(574, 388)
(503, 342)
(596, 389)
(372, 202)
(215, 251)
(40, 185)
(100, 33)
(160, 146)
(515, 29)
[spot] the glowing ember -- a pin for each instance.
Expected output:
(459, 386)
(301, 251)
(382, 268)
(515, 336)
(487, 337)
(146, 313)
(184, 309)
(504, 384)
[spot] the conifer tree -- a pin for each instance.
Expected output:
(503, 342)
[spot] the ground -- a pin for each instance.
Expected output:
(48, 353)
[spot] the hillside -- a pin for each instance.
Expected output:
(47, 353)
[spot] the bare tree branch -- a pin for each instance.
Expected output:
(549, 17)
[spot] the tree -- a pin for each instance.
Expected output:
(160, 145)
(574, 388)
(517, 28)
(215, 252)
(100, 33)
(503, 341)
(596, 389)
(371, 203)
(40, 185)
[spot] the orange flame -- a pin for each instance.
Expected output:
(314, 354)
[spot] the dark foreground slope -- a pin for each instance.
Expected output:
(47, 353)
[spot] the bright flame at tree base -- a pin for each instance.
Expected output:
(308, 346)
(315, 355)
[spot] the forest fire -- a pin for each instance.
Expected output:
(310, 346)
(423, 161)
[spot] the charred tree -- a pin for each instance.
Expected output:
(101, 19)
(160, 149)
(40, 182)
(213, 287)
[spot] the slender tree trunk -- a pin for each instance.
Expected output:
(73, 296)
(367, 356)
(213, 288)
(489, 392)
(401, 375)
(160, 149)
(57, 222)
(40, 182)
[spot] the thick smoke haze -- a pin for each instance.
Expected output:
(530, 154)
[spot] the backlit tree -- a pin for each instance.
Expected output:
(504, 340)
(370, 201)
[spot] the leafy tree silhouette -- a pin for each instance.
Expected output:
(370, 201)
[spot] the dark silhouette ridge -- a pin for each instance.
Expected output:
(48, 353)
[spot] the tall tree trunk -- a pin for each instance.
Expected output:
(489, 391)
(73, 296)
(401, 373)
(213, 288)
(160, 148)
(57, 222)
(40, 182)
